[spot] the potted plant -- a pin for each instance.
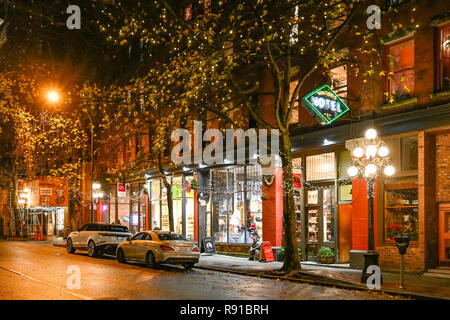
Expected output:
(325, 255)
(280, 253)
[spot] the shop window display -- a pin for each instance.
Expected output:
(236, 204)
(190, 213)
(177, 198)
(401, 211)
(313, 228)
(155, 204)
(328, 215)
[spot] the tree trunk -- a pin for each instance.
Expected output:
(291, 256)
(14, 204)
(168, 187)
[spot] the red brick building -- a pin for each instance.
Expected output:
(407, 100)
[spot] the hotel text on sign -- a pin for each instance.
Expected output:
(324, 105)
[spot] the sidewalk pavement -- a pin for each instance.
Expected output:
(341, 275)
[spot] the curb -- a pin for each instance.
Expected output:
(325, 281)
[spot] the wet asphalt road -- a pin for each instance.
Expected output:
(30, 270)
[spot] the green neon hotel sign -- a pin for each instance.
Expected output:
(324, 104)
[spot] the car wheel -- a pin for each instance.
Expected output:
(188, 266)
(121, 256)
(150, 260)
(91, 249)
(70, 248)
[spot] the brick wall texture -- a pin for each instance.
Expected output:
(443, 167)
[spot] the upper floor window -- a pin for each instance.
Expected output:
(339, 81)
(294, 116)
(443, 83)
(401, 69)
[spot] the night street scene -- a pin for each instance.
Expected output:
(229, 159)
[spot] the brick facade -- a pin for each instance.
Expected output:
(443, 167)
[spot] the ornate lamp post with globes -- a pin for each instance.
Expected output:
(370, 156)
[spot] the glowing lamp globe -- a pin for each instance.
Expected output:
(352, 171)
(358, 152)
(371, 151)
(383, 151)
(371, 134)
(389, 170)
(370, 170)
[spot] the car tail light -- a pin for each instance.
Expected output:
(167, 248)
(196, 249)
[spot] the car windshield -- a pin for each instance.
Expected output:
(171, 236)
(111, 228)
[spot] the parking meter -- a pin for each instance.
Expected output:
(402, 242)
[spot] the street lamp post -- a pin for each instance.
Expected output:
(53, 97)
(369, 156)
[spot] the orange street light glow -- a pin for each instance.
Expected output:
(53, 96)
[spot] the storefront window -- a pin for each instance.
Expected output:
(320, 167)
(236, 218)
(401, 211)
(164, 210)
(177, 196)
(410, 153)
(155, 204)
(328, 215)
(190, 214)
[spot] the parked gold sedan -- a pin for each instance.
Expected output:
(156, 247)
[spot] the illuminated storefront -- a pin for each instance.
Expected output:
(236, 204)
(183, 206)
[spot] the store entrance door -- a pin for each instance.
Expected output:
(320, 221)
(444, 235)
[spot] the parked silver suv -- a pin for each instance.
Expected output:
(97, 238)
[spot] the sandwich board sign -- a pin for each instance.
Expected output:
(324, 105)
(209, 245)
(266, 253)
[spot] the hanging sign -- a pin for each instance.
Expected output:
(324, 105)
(121, 191)
(266, 253)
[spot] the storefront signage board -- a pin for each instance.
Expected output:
(324, 104)
(209, 245)
(266, 252)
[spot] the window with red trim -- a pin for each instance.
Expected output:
(401, 69)
(443, 83)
